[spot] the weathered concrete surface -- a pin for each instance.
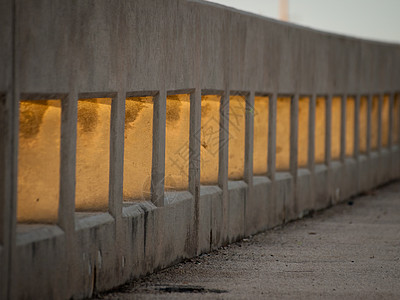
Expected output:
(118, 49)
(346, 252)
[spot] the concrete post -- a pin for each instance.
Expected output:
(343, 129)
(369, 118)
(311, 134)
(66, 208)
(249, 137)
(272, 137)
(271, 172)
(380, 122)
(292, 208)
(356, 126)
(356, 151)
(117, 154)
(158, 160)
(194, 142)
(328, 146)
(294, 120)
(391, 102)
(328, 129)
(311, 146)
(9, 112)
(194, 160)
(248, 155)
(7, 153)
(223, 160)
(8, 159)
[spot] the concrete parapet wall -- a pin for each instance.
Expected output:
(54, 49)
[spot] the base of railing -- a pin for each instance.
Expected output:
(103, 254)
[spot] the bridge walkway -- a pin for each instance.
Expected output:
(350, 251)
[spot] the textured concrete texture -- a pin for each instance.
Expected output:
(350, 251)
(57, 49)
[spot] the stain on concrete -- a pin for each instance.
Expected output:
(173, 109)
(88, 115)
(133, 107)
(31, 117)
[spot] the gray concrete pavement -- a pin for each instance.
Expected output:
(351, 251)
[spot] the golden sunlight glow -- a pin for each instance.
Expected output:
(303, 129)
(93, 154)
(283, 133)
(363, 114)
(336, 120)
(40, 136)
(350, 113)
(320, 130)
(39, 160)
(260, 142)
(177, 142)
(209, 148)
(237, 125)
(385, 121)
(138, 146)
(374, 122)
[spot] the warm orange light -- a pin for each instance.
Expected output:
(363, 124)
(138, 147)
(237, 127)
(303, 128)
(385, 121)
(336, 121)
(320, 130)
(209, 148)
(260, 142)
(93, 154)
(374, 122)
(283, 133)
(177, 142)
(350, 111)
(39, 160)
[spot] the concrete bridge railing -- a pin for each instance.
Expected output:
(137, 133)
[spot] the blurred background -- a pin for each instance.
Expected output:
(369, 19)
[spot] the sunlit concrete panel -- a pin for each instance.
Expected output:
(336, 120)
(363, 119)
(237, 129)
(93, 154)
(261, 117)
(177, 142)
(385, 121)
(39, 160)
(396, 123)
(350, 113)
(209, 148)
(320, 129)
(283, 133)
(374, 122)
(303, 129)
(138, 145)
